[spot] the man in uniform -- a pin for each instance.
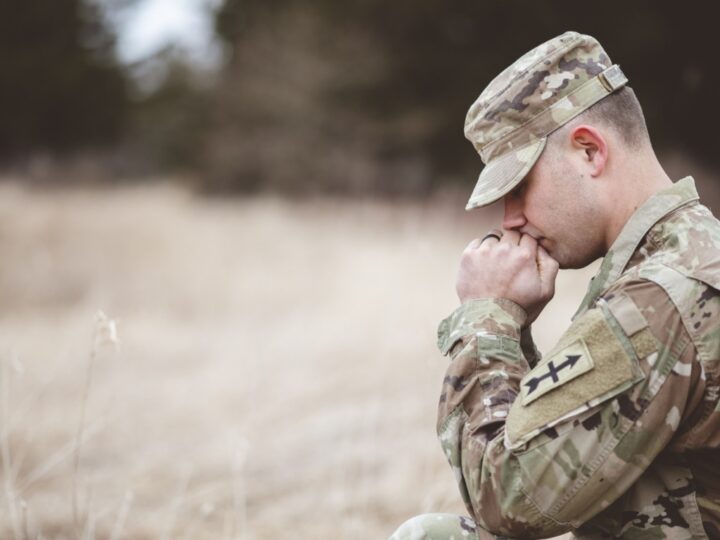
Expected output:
(614, 433)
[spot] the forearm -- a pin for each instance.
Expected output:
(481, 383)
(483, 339)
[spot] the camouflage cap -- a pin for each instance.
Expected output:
(542, 90)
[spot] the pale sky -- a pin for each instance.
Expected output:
(152, 24)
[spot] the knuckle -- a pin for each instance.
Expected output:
(524, 254)
(473, 246)
(485, 247)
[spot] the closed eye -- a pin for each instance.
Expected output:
(518, 190)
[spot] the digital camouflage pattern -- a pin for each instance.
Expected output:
(545, 88)
(439, 526)
(629, 448)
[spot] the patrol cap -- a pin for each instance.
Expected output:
(545, 88)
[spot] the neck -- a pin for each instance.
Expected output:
(637, 179)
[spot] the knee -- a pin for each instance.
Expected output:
(413, 528)
(436, 527)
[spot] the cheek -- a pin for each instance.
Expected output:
(545, 214)
(564, 206)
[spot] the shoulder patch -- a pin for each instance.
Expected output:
(606, 366)
(564, 366)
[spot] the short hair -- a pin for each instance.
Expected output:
(620, 111)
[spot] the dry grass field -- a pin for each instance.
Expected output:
(275, 373)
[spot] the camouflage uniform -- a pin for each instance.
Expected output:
(615, 432)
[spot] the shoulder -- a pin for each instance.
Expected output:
(688, 241)
(670, 295)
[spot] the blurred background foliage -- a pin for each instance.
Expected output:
(360, 96)
(61, 86)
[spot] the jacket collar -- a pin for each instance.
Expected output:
(643, 219)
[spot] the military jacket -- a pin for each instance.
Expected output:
(615, 432)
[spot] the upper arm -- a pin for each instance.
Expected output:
(580, 435)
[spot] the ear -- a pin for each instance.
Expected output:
(593, 145)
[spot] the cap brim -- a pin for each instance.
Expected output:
(503, 173)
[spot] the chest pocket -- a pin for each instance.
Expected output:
(595, 360)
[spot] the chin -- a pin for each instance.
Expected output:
(567, 258)
(575, 263)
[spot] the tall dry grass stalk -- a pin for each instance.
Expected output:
(14, 505)
(238, 514)
(176, 505)
(117, 530)
(104, 336)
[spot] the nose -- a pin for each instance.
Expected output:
(514, 217)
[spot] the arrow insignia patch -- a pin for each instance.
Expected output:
(563, 366)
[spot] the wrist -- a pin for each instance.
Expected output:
(515, 310)
(497, 316)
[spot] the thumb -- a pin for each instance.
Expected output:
(548, 269)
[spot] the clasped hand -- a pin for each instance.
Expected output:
(514, 267)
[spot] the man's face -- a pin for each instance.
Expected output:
(556, 204)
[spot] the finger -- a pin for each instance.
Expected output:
(511, 237)
(474, 244)
(548, 267)
(493, 235)
(528, 242)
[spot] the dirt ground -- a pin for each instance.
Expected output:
(275, 373)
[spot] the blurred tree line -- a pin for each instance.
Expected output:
(354, 97)
(61, 86)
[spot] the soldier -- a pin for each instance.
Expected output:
(614, 433)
